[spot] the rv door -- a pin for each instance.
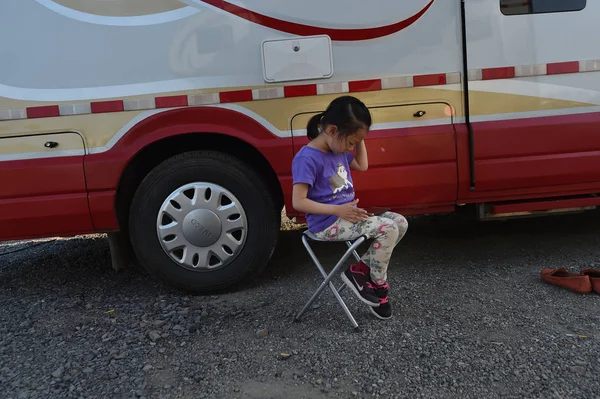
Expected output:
(534, 94)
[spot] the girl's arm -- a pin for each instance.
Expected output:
(305, 205)
(361, 160)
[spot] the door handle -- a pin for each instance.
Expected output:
(51, 144)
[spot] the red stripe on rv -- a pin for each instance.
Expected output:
(429, 80)
(557, 68)
(44, 111)
(364, 85)
(214, 3)
(100, 107)
(498, 73)
(171, 101)
(235, 96)
(309, 30)
(300, 90)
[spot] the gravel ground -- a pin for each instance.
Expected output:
(472, 320)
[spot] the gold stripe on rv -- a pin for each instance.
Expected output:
(35, 144)
(122, 8)
(98, 129)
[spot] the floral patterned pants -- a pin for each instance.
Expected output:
(387, 231)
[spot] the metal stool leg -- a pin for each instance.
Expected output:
(349, 243)
(328, 278)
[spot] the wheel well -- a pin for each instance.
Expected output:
(146, 159)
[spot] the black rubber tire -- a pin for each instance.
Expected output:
(214, 167)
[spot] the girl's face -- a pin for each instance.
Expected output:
(339, 144)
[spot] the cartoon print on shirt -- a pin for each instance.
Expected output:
(340, 181)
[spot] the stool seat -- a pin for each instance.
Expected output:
(313, 237)
(337, 270)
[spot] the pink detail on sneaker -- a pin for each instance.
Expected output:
(380, 282)
(385, 286)
(360, 268)
(383, 300)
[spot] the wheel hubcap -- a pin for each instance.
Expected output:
(202, 226)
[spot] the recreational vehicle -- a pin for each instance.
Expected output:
(171, 125)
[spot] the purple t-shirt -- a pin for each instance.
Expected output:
(328, 178)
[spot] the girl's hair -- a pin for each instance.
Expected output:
(348, 113)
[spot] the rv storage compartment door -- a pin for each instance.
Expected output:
(297, 59)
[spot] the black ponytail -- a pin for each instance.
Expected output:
(312, 129)
(348, 113)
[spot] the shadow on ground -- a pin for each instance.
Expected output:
(433, 239)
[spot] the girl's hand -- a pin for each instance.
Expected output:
(351, 213)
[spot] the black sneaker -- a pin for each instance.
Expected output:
(384, 310)
(357, 278)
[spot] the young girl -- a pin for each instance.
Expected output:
(324, 191)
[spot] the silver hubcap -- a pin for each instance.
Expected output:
(202, 226)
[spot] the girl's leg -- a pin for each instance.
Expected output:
(386, 231)
(379, 275)
(380, 261)
(400, 221)
(340, 230)
(375, 261)
(387, 234)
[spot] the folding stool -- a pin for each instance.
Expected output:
(352, 245)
